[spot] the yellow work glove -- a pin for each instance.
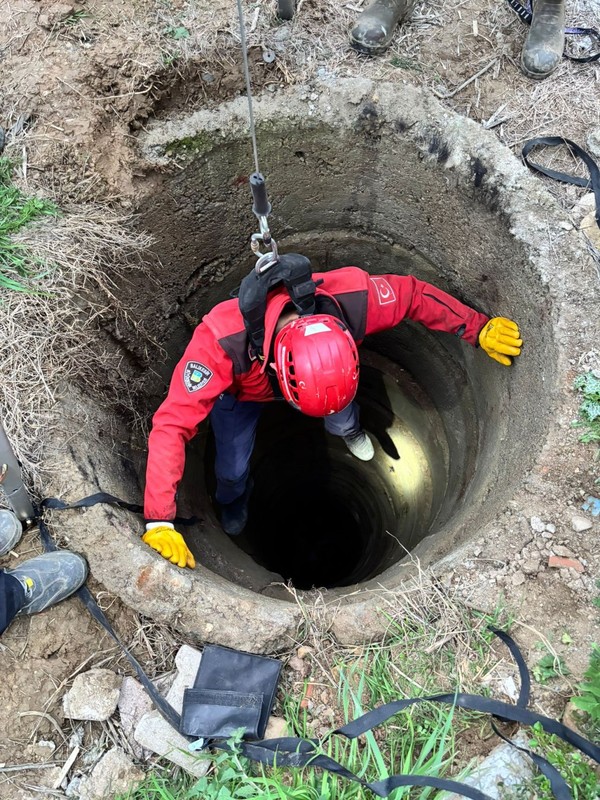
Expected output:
(170, 544)
(500, 339)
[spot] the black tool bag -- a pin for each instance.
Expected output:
(214, 709)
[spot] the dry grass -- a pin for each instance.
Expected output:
(51, 337)
(423, 619)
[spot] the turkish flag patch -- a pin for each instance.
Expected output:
(196, 376)
(385, 293)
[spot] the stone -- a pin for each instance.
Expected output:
(558, 562)
(518, 579)
(133, 704)
(537, 525)
(551, 528)
(187, 662)
(154, 733)
(505, 767)
(93, 696)
(298, 665)
(531, 565)
(589, 226)
(115, 774)
(580, 524)
(593, 142)
(277, 728)
(561, 550)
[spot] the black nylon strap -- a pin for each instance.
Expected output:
(295, 752)
(558, 785)
(472, 702)
(291, 752)
(556, 141)
(86, 597)
(53, 503)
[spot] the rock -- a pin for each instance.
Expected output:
(560, 550)
(277, 728)
(537, 525)
(518, 579)
(187, 662)
(531, 565)
(114, 774)
(154, 733)
(298, 665)
(133, 704)
(304, 651)
(589, 226)
(558, 562)
(583, 207)
(593, 142)
(504, 768)
(551, 528)
(580, 524)
(93, 696)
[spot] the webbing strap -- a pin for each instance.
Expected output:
(297, 752)
(86, 597)
(54, 504)
(555, 141)
(526, 15)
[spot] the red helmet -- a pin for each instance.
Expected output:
(317, 364)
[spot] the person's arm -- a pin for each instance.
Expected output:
(393, 298)
(198, 379)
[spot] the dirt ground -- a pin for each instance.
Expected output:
(79, 80)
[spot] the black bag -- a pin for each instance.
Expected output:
(214, 709)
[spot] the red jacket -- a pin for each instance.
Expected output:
(217, 359)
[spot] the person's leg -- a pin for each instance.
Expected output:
(375, 26)
(234, 426)
(39, 583)
(11, 531)
(346, 423)
(545, 42)
(47, 579)
(12, 599)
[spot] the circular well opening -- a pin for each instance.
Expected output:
(391, 184)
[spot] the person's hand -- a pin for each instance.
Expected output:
(170, 544)
(500, 339)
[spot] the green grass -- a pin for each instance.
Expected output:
(414, 660)
(421, 740)
(589, 699)
(588, 385)
(582, 778)
(19, 271)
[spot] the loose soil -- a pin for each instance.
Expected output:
(79, 80)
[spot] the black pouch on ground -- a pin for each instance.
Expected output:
(232, 690)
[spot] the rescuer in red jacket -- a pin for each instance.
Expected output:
(311, 360)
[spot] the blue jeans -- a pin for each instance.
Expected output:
(12, 599)
(234, 426)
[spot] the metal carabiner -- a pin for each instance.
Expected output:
(265, 260)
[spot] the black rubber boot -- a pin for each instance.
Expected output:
(545, 41)
(49, 578)
(234, 516)
(375, 25)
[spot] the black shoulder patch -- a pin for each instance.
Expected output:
(196, 376)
